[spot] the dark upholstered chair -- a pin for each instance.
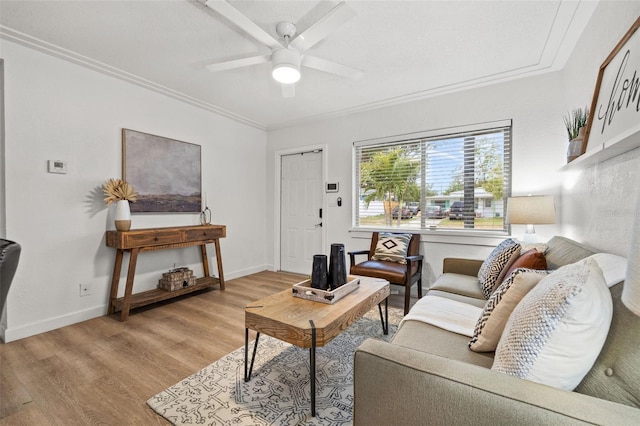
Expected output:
(9, 256)
(396, 273)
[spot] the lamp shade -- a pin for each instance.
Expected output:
(631, 289)
(286, 66)
(531, 210)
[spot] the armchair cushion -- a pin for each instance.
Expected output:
(391, 271)
(392, 247)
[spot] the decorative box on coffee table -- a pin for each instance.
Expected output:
(304, 290)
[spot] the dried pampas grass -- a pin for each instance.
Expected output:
(117, 190)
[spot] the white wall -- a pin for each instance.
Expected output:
(599, 201)
(61, 111)
(536, 105)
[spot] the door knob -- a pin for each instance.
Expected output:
(319, 225)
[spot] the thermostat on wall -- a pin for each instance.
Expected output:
(332, 187)
(57, 166)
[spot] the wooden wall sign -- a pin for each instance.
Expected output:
(615, 107)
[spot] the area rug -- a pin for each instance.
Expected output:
(278, 392)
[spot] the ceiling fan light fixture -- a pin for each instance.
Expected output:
(286, 66)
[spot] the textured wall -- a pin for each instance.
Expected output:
(599, 202)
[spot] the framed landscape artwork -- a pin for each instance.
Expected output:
(615, 107)
(165, 173)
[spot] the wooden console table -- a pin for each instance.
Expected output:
(151, 239)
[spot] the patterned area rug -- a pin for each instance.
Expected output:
(278, 392)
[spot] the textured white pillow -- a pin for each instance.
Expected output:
(614, 267)
(539, 247)
(557, 331)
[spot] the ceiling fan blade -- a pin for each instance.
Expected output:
(331, 67)
(288, 90)
(244, 23)
(238, 63)
(323, 27)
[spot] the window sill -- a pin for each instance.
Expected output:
(443, 236)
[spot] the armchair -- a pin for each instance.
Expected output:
(9, 256)
(396, 273)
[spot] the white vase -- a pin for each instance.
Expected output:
(123, 216)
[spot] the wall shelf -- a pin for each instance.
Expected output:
(612, 148)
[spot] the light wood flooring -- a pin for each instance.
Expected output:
(102, 371)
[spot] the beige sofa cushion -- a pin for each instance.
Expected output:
(615, 375)
(464, 285)
(434, 340)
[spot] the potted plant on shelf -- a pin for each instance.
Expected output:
(575, 122)
(120, 192)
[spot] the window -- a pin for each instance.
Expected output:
(447, 179)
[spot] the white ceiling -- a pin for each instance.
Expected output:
(407, 49)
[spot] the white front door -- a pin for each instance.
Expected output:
(301, 200)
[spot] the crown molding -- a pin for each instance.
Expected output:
(84, 61)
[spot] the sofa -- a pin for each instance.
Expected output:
(429, 375)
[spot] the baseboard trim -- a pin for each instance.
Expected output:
(27, 330)
(10, 334)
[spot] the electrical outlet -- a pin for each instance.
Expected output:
(85, 290)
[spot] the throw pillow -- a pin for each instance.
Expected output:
(532, 259)
(498, 308)
(504, 254)
(540, 247)
(392, 247)
(614, 267)
(557, 331)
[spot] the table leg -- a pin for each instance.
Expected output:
(385, 320)
(312, 368)
(115, 281)
(205, 261)
(126, 303)
(247, 374)
(216, 243)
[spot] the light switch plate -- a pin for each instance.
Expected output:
(57, 166)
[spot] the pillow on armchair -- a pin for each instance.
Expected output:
(392, 247)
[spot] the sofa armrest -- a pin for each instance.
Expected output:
(428, 389)
(461, 266)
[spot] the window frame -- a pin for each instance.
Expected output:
(430, 136)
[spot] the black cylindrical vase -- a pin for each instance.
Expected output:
(337, 266)
(319, 272)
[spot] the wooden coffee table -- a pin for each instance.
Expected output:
(310, 324)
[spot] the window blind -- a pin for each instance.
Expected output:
(449, 178)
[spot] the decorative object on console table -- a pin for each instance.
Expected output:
(120, 192)
(575, 122)
(319, 272)
(531, 210)
(176, 279)
(141, 240)
(337, 266)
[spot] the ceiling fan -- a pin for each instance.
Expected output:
(288, 52)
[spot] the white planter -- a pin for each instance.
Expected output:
(123, 216)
